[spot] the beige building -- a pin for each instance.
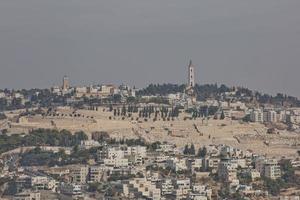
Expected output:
(27, 195)
(95, 91)
(256, 116)
(270, 116)
(254, 174)
(182, 188)
(66, 84)
(227, 171)
(72, 190)
(80, 174)
(272, 169)
(96, 174)
(268, 168)
(178, 164)
(141, 188)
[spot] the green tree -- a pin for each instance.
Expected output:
(202, 152)
(222, 115)
(186, 150)
(192, 150)
(110, 108)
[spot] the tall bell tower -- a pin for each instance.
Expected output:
(191, 74)
(190, 87)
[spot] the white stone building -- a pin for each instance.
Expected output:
(257, 116)
(268, 168)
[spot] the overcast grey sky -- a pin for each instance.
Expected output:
(253, 43)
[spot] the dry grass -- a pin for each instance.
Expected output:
(246, 136)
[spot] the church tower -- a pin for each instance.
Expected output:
(66, 83)
(191, 73)
(191, 84)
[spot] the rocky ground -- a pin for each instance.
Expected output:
(246, 136)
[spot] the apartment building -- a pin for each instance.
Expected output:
(178, 164)
(257, 116)
(272, 169)
(270, 116)
(227, 171)
(27, 195)
(141, 188)
(182, 188)
(71, 189)
(79, 174)
(96, 174)
(268, 168)
(167, 187)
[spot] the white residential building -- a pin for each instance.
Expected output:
(87, 144)
(43, 183)
(211, 163)
(257, 116)
(96, 173)
(141, 188)
(201, 192)
(116, 162)
(270, 116)
(167, 187)
(178, 164)
(227, 171)
(71, 190)
(254, 174)
(268, 168)
(182, 188)
(272, 169)
(27, 195)
(80, 174)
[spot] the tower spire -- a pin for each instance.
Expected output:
(191, 73)
(190, 63)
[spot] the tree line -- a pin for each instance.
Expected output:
(41, 137)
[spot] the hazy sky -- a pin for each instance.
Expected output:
(253, 43)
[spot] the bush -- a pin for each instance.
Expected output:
(2, 116)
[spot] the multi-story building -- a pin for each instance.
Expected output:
(116, 162)
(254, 174)
(166, 148)
(115, 157)
(80, 174)
(257, 116)
(201, 192)
(272, 169)
(43, 183)
(102, 91)
(72, 190)
(231, 152)
(195, 164)
(227, 171)
(167, 187)
(135, 150)
(141, 188)
(2, 95)
(96, 174)
(268, 168)
(270, 116)
(115, 153)
(211, 163)
(87, 144)
(182, 188)
(27, 195)
(292, 118)
(178, 164)
(23, 182)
